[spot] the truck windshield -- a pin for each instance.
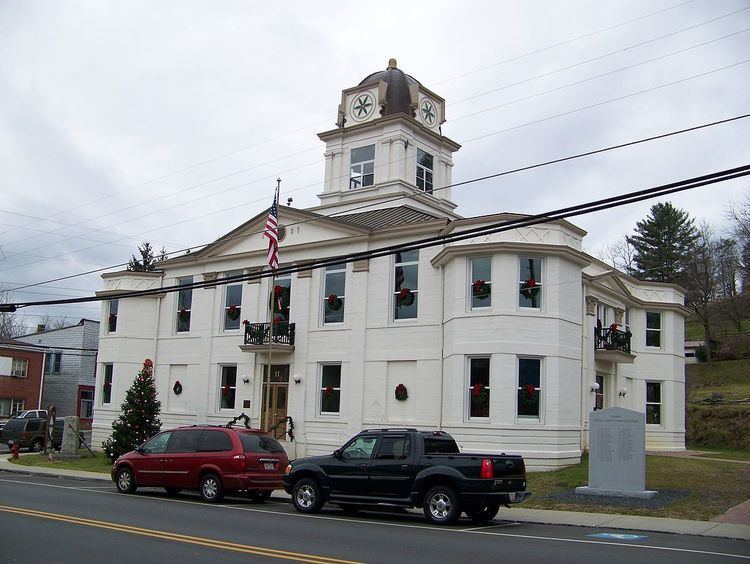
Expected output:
(440, 446)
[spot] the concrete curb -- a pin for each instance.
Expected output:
(518, 514)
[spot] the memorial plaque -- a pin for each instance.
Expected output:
(617, 453)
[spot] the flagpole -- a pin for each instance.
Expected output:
(271, 297)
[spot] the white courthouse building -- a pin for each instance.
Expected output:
(504, 340)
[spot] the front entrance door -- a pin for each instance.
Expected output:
(273, 409)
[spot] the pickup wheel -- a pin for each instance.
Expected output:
(307, 496)
(441, 505)
(37, 445)
(484, 512)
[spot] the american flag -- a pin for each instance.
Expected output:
(272, 233)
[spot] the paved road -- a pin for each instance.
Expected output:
(62, 520)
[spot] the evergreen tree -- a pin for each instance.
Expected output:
(139, 417)
(662, 243)
(147, 262)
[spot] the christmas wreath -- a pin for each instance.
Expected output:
(328, 391)
(183, 315)
(529, 289)
(479, 393)
(480, 289)
(177, 388)
(112, 317)
(334, 302)
(225, 390)
(528, 393)
(233, 312)
(401, 392)
(405, 297)
(280, 298)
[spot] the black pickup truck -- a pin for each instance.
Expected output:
(408, 468)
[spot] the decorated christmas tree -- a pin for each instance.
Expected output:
(139, 417)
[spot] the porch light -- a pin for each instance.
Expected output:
(622, 392)
(594, 387)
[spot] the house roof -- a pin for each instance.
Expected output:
(386, 217)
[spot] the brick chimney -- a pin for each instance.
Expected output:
(41, 328)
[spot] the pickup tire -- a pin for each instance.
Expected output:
(484, 512)
(307, 496)
(441, 506)
(37, 445)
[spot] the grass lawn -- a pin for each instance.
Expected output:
(728, 454)
(712, 487)
(88, 463)
(730, 378)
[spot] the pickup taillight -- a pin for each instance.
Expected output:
(487, 471)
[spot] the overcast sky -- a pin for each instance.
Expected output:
(169, 121)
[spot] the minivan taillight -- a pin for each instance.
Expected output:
(487, 470)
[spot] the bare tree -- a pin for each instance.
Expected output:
(728, 275)
(739, 216)
(51, 322)
(619, 254)
(700, 277)
(11, 325)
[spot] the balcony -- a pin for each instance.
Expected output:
(258, 336)
(612, 345)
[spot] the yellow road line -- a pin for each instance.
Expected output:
(210, 543)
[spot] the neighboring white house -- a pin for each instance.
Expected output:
(504, 340)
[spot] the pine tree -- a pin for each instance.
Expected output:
(147, 262)
(139, 417)
(663, 243)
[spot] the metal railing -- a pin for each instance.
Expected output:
(258, 333)
(612, 340)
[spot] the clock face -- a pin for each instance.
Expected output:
(362, 106)
(428, 112)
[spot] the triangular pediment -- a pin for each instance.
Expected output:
(301, 227)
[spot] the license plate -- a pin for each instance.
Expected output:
(268, 465)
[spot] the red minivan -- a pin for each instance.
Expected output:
(213, 460)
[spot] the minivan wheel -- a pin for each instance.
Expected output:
(211, 489)
(37, 445)
(125, 481)
(441, 505)
(307, 496)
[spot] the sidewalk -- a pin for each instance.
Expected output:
(715, 528)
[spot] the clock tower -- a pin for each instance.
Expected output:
(388, 149)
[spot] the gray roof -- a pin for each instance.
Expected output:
(387, 217)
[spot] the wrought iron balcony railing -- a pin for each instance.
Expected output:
(259, 333)
(612, 340)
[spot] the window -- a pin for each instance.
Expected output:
(394, 448)
(480, 285)
(184, 304)
(479, 387)
(282, 296)
(653, 403)
(214, 441)
(599, 394)
(406, 277)
(440, 446)
(112, 319)
(232, 304)
(184, 441)
(17, 405)
(259, 443)
(19, 368)
(86, 403)
(362, 167)
(529, 387)
(53, 363)
(107, 383)
(359, 448)
(424, 171)
(228, 386)
(157, 445)
(530, 284)
(330, 389)
(653, 329)
(334, 293)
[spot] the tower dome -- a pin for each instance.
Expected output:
(398, 98)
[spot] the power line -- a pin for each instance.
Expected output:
(454, 185)
(562, 213)
(181, 190)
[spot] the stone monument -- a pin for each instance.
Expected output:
(70, 439)
(617, 454)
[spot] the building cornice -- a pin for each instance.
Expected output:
(476, 249)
